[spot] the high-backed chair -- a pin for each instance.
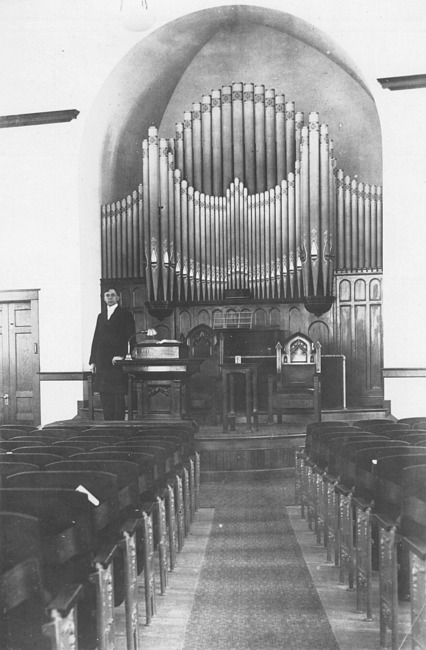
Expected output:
(204, 385)
(296, 383)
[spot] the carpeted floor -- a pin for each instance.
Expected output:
(255, 591)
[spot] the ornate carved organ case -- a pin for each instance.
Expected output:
(245, 209)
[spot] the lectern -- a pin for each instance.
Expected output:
(158, 372)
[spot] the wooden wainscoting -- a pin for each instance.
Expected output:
(245, 457)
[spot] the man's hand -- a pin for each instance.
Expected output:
(93, 367)
(115, 359)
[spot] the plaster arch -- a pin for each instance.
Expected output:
(146, 84)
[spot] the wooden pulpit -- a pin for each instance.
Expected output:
(158, 372)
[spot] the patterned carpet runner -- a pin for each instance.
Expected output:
(255, 591)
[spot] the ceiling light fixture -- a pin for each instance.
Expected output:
(136, 15)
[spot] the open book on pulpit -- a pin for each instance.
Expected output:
(163, 349)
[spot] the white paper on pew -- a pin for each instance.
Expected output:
(374, 461)
(90, 496)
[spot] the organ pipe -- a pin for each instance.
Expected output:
(246, 196)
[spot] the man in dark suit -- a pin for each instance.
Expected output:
(114, 328)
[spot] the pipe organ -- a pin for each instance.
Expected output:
(246, 197)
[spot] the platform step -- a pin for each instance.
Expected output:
(353, 414)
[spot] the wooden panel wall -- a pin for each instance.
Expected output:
(352, 327)
(359, 336)
(219, 456)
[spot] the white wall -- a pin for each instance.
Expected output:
(57, 55)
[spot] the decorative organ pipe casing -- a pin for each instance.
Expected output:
(259, 136)
(249, 142)
(206, 143)
(245, 196)
(280, 132)
(359, 225)
(324, 204)
(290, 133)
(227, 157)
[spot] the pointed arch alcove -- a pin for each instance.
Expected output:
(156, 84)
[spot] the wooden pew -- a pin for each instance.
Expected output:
(366, 543)
(303, 470)
(304, 477)
(6, 469)
(148, 488)
(363, 424)
(82, 443)
(63, 450)
(66, 553)
(23, 597)
(342, 456)
(331, 497)
(316, 466)
(11, 430)
(61, 433)
(43, 436)
(10, 445)
(413, 534)
(106, 533)
(35, 458)
(131, 532)
(188, 451)
(181, 475)
(420, 419)
(387, 513)
(387, 427)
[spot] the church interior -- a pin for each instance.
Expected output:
(243, 177)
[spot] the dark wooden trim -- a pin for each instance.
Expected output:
(403, 372)
(64, 376)
(407, 82)
(34, 119)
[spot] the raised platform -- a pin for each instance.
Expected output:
(269, 449)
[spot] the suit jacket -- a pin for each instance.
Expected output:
(111, 340)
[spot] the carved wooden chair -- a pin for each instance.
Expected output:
(296, 384)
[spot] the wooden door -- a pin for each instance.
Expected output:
(19, 362)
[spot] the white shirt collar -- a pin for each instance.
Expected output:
(110, 310)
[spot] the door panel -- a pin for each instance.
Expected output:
(19, 367)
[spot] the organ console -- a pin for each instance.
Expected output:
(246, 196)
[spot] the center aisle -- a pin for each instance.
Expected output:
(255, 591)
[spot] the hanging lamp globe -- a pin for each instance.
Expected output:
(137, 15)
